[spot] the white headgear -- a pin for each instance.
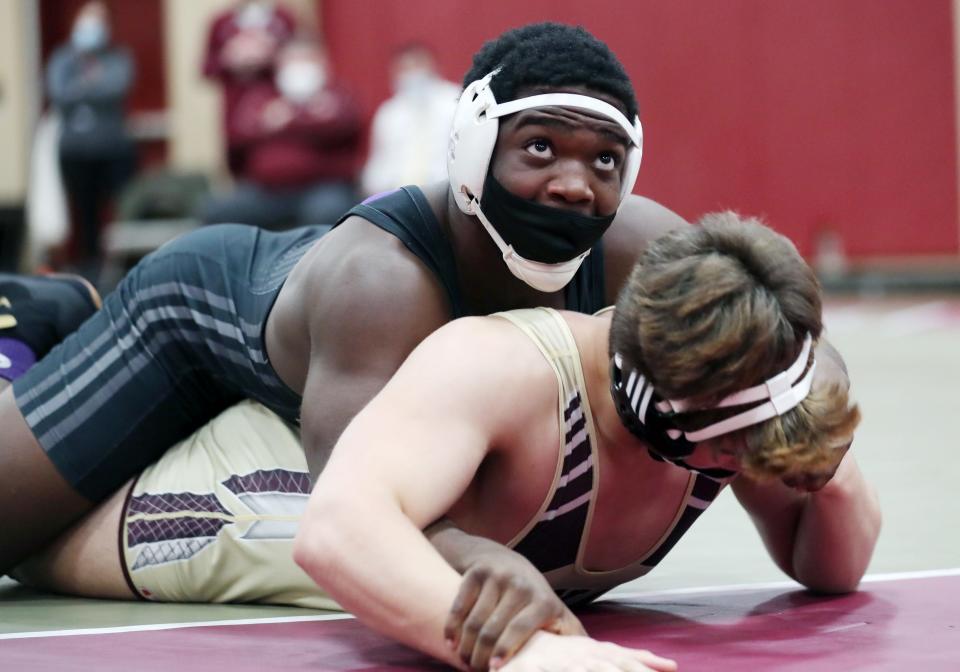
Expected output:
(472, 140)
(474, 135)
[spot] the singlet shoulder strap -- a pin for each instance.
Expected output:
(552, 336)
(556, 536)
(407, 214)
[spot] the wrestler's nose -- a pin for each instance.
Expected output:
(570, 185)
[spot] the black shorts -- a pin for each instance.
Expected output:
(180, 339)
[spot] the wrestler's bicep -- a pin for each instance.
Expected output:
(417, 445)
(333, 395)
(362, 326)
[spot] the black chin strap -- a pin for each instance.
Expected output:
(719, 474)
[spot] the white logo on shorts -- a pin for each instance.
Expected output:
(5, 362)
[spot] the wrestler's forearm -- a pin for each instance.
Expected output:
(378, 565)
(457, 547)
(836, 532)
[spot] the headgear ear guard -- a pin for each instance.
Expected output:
(474, 135)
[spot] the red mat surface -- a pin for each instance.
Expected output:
(911, 624)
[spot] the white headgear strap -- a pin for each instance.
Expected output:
(784, 391)
(574, 100)
(539, 275)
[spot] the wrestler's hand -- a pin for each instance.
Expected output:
(503, 598)
(546, 651)
(503, 601)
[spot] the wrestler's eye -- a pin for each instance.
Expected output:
(607, 161)
(540, 148)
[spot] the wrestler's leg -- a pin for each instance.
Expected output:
(37, 502)
(85, 560)
(110, 398)
(36, 313)
(213, 520)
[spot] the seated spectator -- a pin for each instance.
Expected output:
(299, 135)
(88, 80)
(408, 143)
(242, 45)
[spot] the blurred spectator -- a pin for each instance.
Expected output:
(87, 82)
(299, 136)
(242, 46)
(408, 143)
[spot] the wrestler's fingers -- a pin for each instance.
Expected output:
(467, 596)
(512, 602)
(483, 606)
(650, 660)
(525, 622)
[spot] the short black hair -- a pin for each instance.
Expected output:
(552, 54)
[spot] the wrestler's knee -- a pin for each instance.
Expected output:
(83, 560)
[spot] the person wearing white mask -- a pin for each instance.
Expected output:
(88, 80)
(299, 135)
(408, 139)
(241, 48)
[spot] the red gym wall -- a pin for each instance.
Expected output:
(822, 114)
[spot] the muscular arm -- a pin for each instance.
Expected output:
(639, 221)
(368, 303)
(403, 461)
(822, 539)
(69, 82)
(332, 120)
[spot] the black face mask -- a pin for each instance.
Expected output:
(540, 232)
(651, 427)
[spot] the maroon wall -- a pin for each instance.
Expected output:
(817, 114)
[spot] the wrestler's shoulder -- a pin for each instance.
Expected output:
(641, 220)
(487, 348)
(359, 265)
